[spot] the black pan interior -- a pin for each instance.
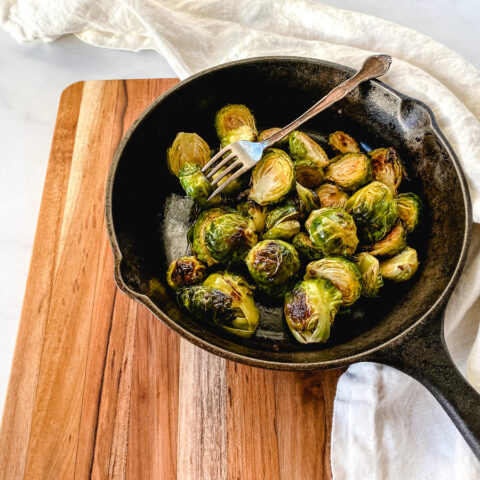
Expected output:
(150, 214)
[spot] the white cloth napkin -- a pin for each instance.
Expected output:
(386, 426)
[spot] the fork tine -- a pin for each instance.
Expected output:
(228, 181)
(212, 172)
(222, 152)
(224, 173)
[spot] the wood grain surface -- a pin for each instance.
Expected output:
(99, 387)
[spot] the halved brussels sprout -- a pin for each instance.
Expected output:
(273, 178)
(374, 211)
(254, 211)
(372, 280)
(228, 237)
(187, 147)
(232, 117)
(305, 200)
(343, 273)
(241, 133)
(331, 196)
(307, 250)
(235, 286)
(302, 147)
(333, 231)
(196, 185)
(309, 174)
(234, 187)
(387, 167)
(409, 208)
(343, 143)
(310, 308)
(264, 134)
(186, 271)
(272, 264)
(349, 171)
(395, 241)
(401, 267)
(282, 223)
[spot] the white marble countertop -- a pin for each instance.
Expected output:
(33, 77)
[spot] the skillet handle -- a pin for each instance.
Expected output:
(424, 356)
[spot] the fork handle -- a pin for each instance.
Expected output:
(372, 67)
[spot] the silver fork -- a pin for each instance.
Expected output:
(244, 155)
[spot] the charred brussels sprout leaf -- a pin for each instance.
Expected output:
(409, 208)
(392, 243)
(264, 134)
(307, 250)
(349, 171)
(282, 223)
(196, 185)
(372, 280)
(187, 148)
(236, 287)
(273, 178)
(186, 271)
(331, 196)
(233, 118)
(256, 212)
(309, 174)
(343, 273)
(374, 211)
(387, 168)
(229, 237)
(272, 264)
(333, 231)
(401, 267)
(302, 147)
(310, 308)
(306, 200)
(343, 143)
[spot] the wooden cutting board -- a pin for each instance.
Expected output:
(99, 387)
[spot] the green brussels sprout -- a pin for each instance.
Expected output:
(409, 208)
(264, 134)
(331, 196)
(308, 173)
(187, 147)
(387, 167)
(186, 271)
(307, 250)
(395, 241)
(374, 211)
(372, 280)
(196, 185)
(343, 273)
(234, 187)
(343, 143)
(228, 237)
(333, 231)
(401, 267)
(241, 133)
(233, 117)
(254, 211)
(302, 147)
(305, 200)
(310, 308)
(272, 264)
(241, 293)
(273, 178)
(349, 171)
(282, 223)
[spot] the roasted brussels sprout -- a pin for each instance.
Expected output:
(333, 231)
(232, 118)
(310, 308)
(272, 264)
(409, 208)
(309, 174)
(254, 211)
(186, 271)
(305, 200)
(187, 147)
(240, 133)
(387, 167)
(395, 241)
(302, 147)
(273, 178)
(374, 211)
(282, 223)
(343, 273)
(196, 185)
(349, 171)
(372, 280)
(306, 249)
(264, 134)
(343, 143)
(331, 196)
(234, 187)
(401, 267)
(228, 237)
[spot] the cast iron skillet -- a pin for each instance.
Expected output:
(146, 218)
